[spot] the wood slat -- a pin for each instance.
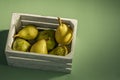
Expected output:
(53, 58)
(39, 18)
(38, 64)
(39, 24)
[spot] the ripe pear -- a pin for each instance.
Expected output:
(28, 32)
(63, 33)
(39, 47)
(49, 36)
(60, 51)
(20, 45)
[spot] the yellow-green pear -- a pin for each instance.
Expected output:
(49, 36)
(39, 47)
(60, 51)
(63, 33)
(20, 45)
(28, 32)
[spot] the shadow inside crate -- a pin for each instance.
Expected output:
(3, 39)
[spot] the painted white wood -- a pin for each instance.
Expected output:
(38, 62)
(40, 24)
(41, 67)
(54, 58)
(48, 19)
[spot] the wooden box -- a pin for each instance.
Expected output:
(33, 60)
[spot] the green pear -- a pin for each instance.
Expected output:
(60, 51)
(20, 45)
(39, 47)
(28, 32)
(49, 36)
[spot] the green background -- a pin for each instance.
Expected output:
(97, 50)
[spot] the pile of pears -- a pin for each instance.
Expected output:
(49, 41)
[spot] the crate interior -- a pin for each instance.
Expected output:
(41, 23)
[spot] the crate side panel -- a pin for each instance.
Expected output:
(38, 62)
(36, 65)
(39, 24)
(57, 59)
(39, 18)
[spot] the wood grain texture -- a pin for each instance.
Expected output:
(38, 64)
(60, 59)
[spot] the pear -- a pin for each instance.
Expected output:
(63, 34)
(60, 51)
(39, 47)
(28, 32)
(20, 45)
(49, 36)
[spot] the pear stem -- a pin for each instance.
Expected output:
(15, 36)
(60, 21)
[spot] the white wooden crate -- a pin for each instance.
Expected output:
(33, 60)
